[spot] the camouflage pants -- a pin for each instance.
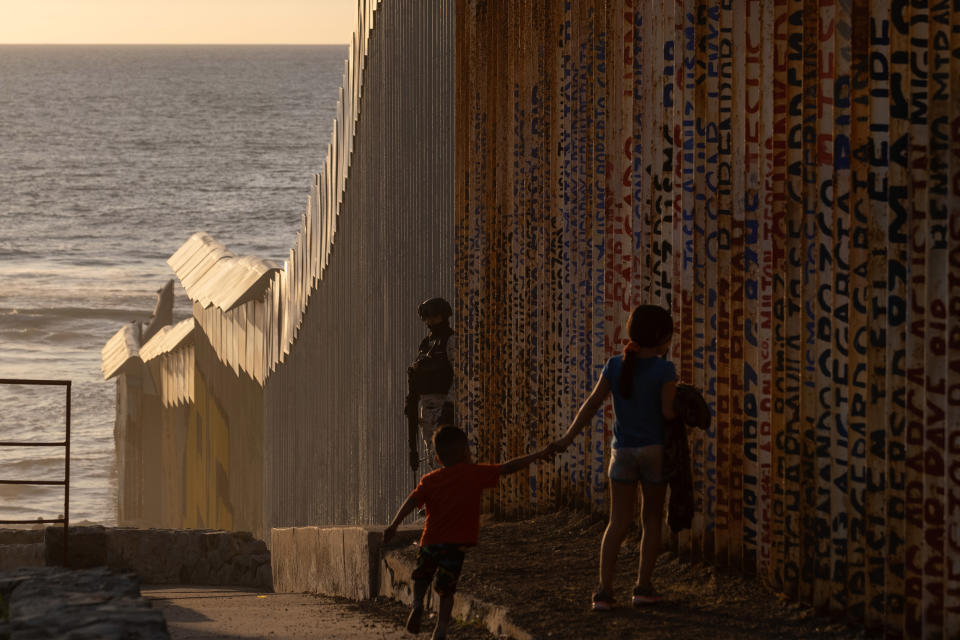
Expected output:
(435, 411)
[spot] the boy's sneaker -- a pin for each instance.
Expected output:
(602, 601)
(645, 595)
(413, 620)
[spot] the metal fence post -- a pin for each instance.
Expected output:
(65, 520)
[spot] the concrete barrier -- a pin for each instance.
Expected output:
(21, 548)
(396, 569)
(20, 536)
(337, 561)
(351, 562)
(167, 556)
(15, 556)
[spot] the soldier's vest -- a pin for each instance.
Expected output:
(432, 371)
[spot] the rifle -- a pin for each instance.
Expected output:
(411, 408)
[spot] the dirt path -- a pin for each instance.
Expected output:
(544, 569)
(200, 613)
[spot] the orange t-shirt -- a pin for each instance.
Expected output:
(452, 499)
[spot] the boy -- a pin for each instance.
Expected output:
(451, 495)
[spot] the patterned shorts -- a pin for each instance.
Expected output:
(444, 560)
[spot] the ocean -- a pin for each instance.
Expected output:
(110, 158)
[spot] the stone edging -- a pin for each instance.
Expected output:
(350, 562)
(167, 556)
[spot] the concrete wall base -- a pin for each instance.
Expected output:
(167, 556)
(21, 548)
(351, 562)
(15, 556)
(338, 561)
(395, 582)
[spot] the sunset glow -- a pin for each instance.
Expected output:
(177, 21)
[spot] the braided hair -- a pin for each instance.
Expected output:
(649, 326)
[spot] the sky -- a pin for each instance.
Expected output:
(177, 21)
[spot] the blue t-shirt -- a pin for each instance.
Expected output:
(639, 421)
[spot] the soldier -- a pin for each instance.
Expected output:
(430, 378)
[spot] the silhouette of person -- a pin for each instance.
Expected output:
(430, 381)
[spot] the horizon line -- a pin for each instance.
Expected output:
(174, 44)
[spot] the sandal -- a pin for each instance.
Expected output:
(645, 595)
(602, 601)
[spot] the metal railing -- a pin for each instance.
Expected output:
(65, 520)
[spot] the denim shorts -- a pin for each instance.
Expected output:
(637, 464)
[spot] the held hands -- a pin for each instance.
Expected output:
(560, 445)
(548, 451)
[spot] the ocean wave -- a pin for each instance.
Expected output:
(25, 505)
(45, 468)
(23, 333)
(47, 335)
(53, 338)
(15, 252)
(32, 318)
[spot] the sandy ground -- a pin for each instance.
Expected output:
(196, 613)
(391, 611)
(200, 613)
(545, 569)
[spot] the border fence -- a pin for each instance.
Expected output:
(280, 404)
(783, 176)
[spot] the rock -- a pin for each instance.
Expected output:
(53, 602)
(221, 574)
(191, 547)
(200, 573)
(264, 577)
(165, 556)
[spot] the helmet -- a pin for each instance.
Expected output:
(435, 306)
